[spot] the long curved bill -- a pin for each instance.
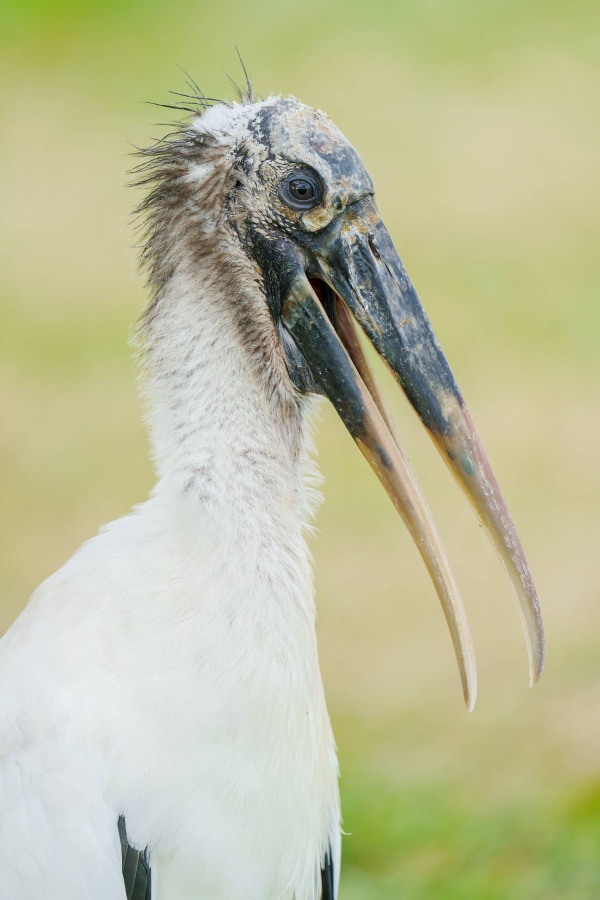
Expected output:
(356, 258)
(338, 372)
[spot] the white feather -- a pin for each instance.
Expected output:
(169, 670)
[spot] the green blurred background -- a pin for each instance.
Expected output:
(480, 124)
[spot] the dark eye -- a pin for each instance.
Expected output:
(300, 191)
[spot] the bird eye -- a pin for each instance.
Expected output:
(300, 191)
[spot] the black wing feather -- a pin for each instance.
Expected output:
(136, 868)
(327, 879)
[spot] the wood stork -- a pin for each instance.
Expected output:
(163, 727)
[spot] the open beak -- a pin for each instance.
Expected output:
(360, 278)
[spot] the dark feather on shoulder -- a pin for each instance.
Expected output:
(136, 868)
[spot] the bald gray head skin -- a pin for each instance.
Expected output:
(295, 137)
(274, 189)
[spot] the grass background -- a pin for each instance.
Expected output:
(480, 125)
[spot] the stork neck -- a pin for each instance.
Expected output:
(228, 434)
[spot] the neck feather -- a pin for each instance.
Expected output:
(229, 433)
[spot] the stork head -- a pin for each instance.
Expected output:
(276, 185)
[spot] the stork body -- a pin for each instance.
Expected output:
(170, 669)
(166, 679)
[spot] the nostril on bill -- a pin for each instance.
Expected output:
(373, 248)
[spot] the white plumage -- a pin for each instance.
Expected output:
(169, 670)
